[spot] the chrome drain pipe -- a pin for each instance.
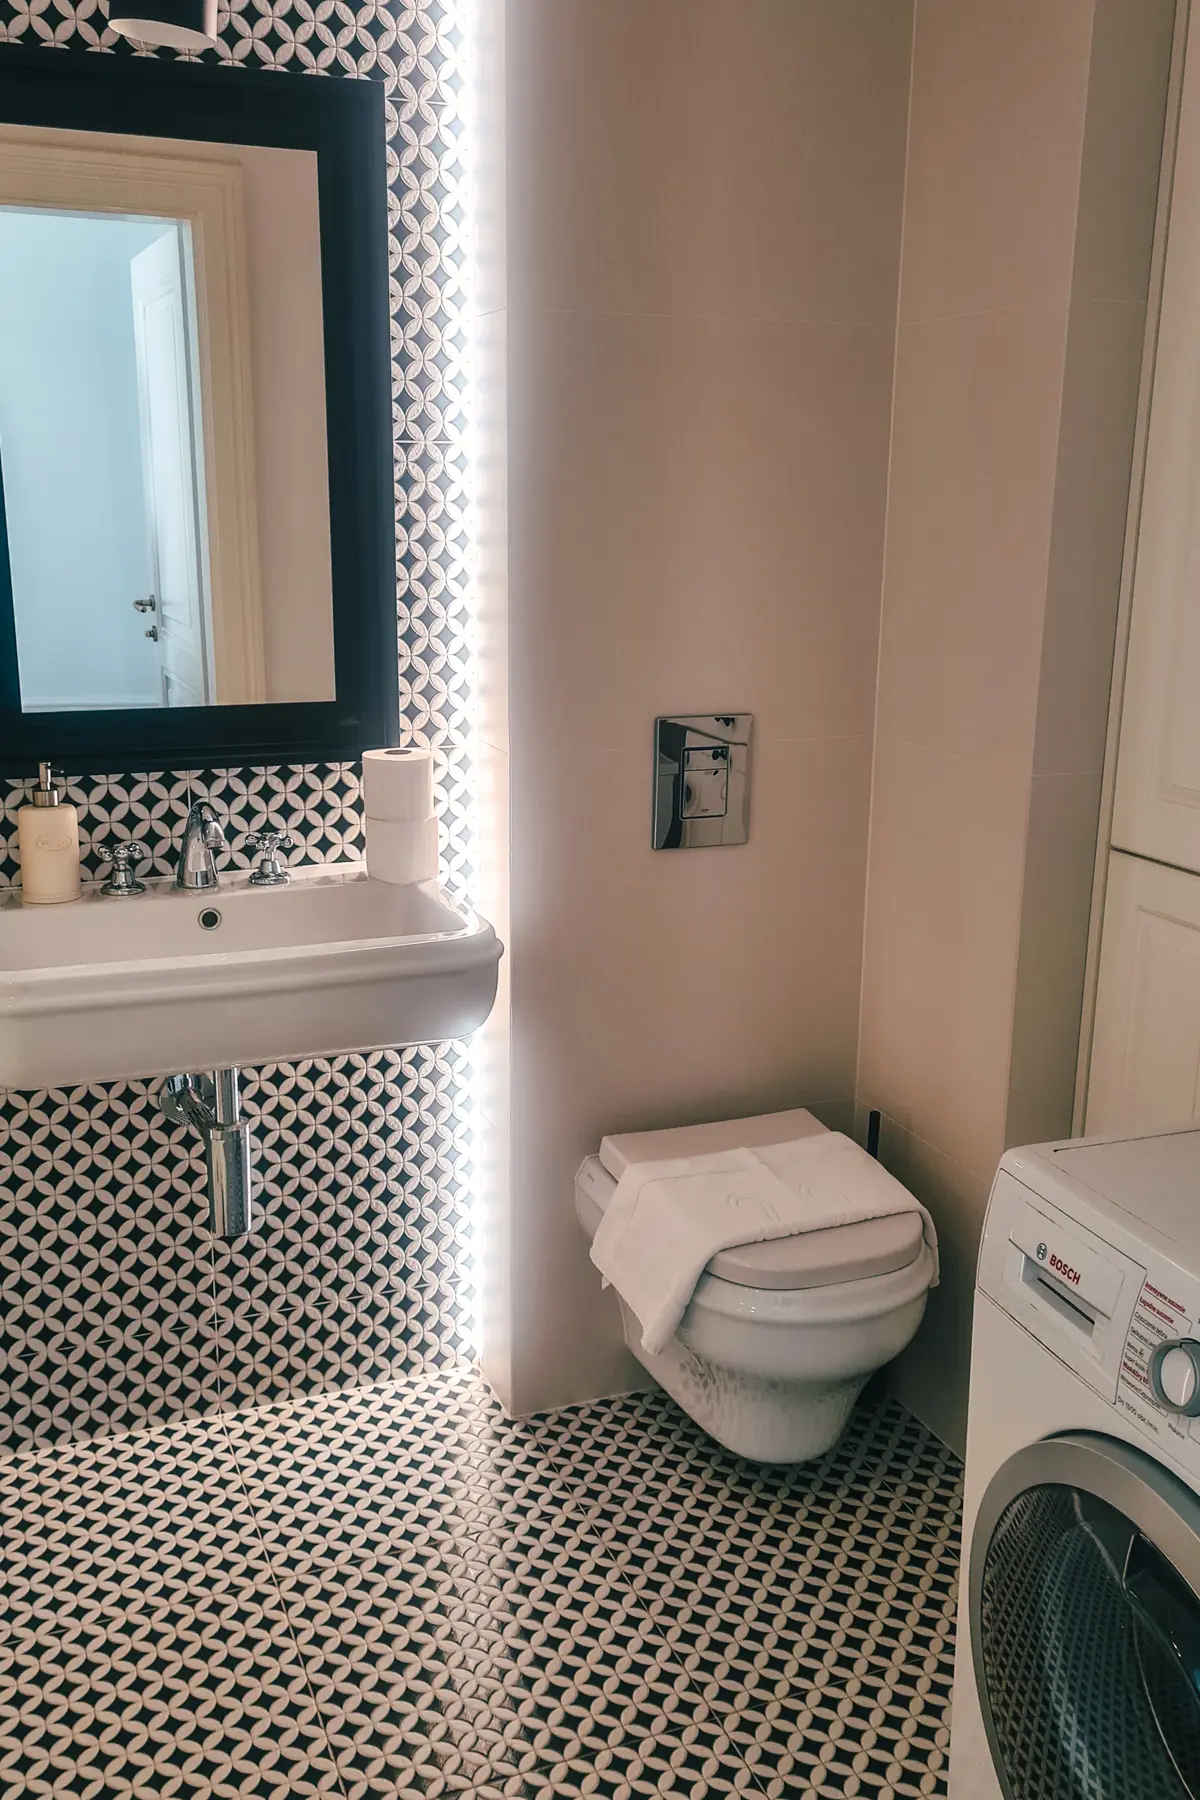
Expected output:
(211, 1105)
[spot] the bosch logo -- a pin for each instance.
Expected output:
(1041, 1252)
(1063, 1270)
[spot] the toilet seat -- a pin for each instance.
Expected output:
(809, 1259)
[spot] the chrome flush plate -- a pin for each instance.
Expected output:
(701, 780)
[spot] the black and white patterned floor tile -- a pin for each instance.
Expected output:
(143, 1645)
(397, 1592)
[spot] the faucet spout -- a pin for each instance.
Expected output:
(203, 835)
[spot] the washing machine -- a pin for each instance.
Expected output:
(1077, 1672)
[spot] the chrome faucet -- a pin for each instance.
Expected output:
(202, 835)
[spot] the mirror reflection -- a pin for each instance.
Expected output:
(164, 527)
(101, 463)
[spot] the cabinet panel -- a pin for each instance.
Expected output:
(1158, 770)
(1145, 1064)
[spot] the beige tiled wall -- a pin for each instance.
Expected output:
(703, 211)
(1034, 144)
(688, 383)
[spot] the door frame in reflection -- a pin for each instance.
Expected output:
(172, 428)
(10, 679)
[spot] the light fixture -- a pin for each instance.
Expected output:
(179, 24)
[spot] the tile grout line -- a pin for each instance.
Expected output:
(868, 1451)
(718, 1714)
(276, 1586)
(436, 1449)
(546, 1759)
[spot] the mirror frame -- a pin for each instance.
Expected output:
(342, 120)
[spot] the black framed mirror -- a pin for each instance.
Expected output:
(197, 534)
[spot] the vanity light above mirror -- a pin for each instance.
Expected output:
(176, 24)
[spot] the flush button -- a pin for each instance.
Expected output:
(706, 783)
(701, 780)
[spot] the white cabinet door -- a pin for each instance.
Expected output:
(1145, 1064)
(1158, 769)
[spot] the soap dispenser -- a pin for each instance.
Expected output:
(48, 844)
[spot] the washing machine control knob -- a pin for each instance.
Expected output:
(1175, 1376)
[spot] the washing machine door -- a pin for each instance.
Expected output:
(1084, 1595)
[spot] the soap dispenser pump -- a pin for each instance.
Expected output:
(48, 844)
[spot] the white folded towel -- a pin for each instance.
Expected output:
(667, 1220)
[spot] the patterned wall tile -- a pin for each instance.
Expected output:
(320, 804)
(353, 1273)
(118, 1306)
(105, 1268)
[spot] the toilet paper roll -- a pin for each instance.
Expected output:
(398, 784)
(402, 850)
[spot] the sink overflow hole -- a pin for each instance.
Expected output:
(210, 918)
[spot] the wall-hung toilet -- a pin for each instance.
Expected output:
(780, 1336)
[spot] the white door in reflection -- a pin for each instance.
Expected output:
(76, 539)
(171, 467)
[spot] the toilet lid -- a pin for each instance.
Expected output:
(809, 1259)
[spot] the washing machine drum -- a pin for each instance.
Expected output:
(1085, 1624)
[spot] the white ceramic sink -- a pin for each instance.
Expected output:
(105, 988)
